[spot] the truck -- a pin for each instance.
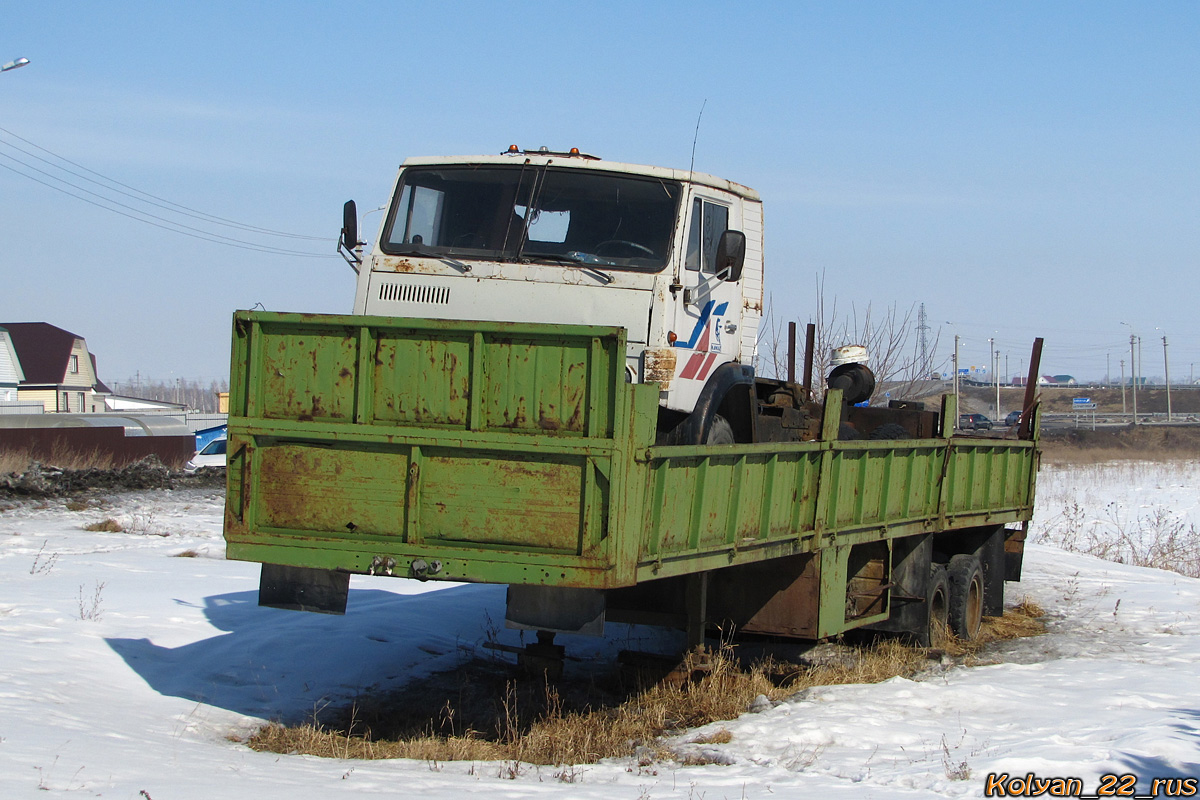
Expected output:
(548, 381)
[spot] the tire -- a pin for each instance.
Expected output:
(938, 600)
(847, 432)
(889, 430)
(719, 431)
(965, 577)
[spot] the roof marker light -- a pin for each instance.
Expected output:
(512, 148)
(574, 151)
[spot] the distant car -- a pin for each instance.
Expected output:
(1013, 418)
(211, 455)
(974, 422)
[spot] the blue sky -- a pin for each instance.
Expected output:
(1022, 168)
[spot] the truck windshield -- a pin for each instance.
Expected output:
(521, 212)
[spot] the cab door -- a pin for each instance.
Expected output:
(709, 318)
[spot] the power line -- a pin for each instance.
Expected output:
(162, 202)
(203, 235)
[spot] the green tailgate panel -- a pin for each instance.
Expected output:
(493, 448)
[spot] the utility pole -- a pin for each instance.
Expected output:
(955, 421)
(1141, 369)
(1122, 386)
(1108, 369)
(923, 342)
(1167, 375)
(991, 367)
(996, 375)
(1133, 372)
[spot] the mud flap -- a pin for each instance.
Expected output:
(303, 589)
(1014, 554)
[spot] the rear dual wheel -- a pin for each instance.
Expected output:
(964, 576)
(938, 599)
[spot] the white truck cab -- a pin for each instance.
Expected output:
(674, 257)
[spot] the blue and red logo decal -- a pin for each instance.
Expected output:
(702, 361)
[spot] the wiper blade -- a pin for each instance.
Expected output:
(583, 261)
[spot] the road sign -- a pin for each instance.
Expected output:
(1081, 401)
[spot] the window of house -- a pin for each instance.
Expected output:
(709, 221)
(79, 397)
(74, 364)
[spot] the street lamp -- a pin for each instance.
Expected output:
(14, 64)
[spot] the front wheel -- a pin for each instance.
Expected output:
(719, 431)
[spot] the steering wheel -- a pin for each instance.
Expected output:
(626, 243)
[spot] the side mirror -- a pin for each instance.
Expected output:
(731, 255)
(350, 225)
(348, 241)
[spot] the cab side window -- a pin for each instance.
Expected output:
(709, 220)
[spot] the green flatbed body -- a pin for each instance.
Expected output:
(518, 453)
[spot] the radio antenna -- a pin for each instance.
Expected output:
(692, 166)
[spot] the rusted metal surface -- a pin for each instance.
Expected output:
(779, 597)
(791, 352)
(810, 343)
(658, 366)
(1024, 429)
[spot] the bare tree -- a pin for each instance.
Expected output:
(886, 334)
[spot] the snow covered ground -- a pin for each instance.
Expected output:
(128, 672)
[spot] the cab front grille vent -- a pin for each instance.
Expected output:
(406, 293)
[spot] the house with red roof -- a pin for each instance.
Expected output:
(56, 368)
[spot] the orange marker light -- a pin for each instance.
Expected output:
(574, 151)
(671, 337)
(512, 148)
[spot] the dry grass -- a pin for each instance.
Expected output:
(478, 715)
(1020, 622)
(16, 462)
(60, 455)
(1143, 443)
(719, 736)
(188, 554)
(105, 526)
(1060, 454)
